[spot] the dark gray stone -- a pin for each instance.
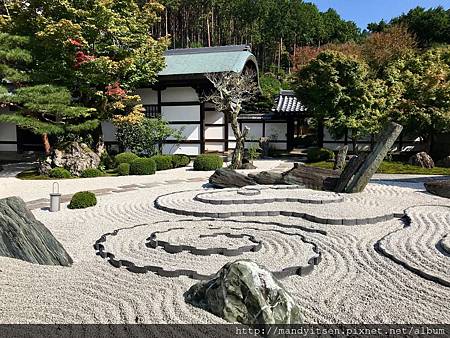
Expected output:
(311, 177)
(422, 159)
(370, 166)
(439, 188)
(245, 292)
(247, 166)
(339, 160)
(228, 178)
(349, 171)
(267, 178)
(23, 237)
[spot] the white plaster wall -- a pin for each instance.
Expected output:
(187, 149)
(179, 94)
(230, 133)
(213, 117)
(214, 133)
(215, 146)
(8, 133)
(190, 132)
(256, 130)
(277, 129)
(181, 113)
(109, 131)
(148, 96)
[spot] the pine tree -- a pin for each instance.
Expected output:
(44, 109)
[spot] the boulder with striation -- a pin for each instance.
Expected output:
(23, 237)
(439, 188)
(228, 178)
(245, 292)
(422, 159)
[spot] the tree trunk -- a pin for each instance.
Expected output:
(238, 154)
(46, 143)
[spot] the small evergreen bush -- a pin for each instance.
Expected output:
(91, 172)
(180, 160)
(123, 169)
(125, 158)
(208, 162)
(106, 161)
(143, 166)
(320, 154)
(59, 173)
(163, 162)
(82, 200)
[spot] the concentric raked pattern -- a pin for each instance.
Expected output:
(418, 246)
(352, 284)
(193, 250)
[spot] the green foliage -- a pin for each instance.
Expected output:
(253, 152)
(339, 90)
(319, 154)
(422, 83)
(91, 172)
(82, 200)
(59, 173)
(207, 162)
(180, 160)
(143, 166)
(126, 157)
(123, 169)
(146, 136)
(106, 161)
(163, 162)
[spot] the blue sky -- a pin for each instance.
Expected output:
(365, 11)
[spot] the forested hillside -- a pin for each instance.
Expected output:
(274, 27)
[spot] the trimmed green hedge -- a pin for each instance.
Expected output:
(91, 172)
(82, 200)
(143, 166)
(59, 173)
(125, 158)
(180, 160)
(163, 162)
(320, 154)
(123, 169)
(208, 162)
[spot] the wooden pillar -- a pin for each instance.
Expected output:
(320, 133)
(226, 132)
(202, 127)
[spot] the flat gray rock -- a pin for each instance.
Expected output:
(439, 188)
(25, 238)
(227, 178)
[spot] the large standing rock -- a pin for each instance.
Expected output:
(439, 188)
(75, 157)
(247, 293)
(227, 178)
(339, 160)
(267, 178)
(422, 159)
(370, 166)
(23, 237)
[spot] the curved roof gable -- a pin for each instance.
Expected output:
(207, 60)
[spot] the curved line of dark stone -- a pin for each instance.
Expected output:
(383, 252)
(442, 248)
(308, 217)
(153, 243)
(160, 271)
(201, 199)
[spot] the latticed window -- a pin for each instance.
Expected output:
(151, 111)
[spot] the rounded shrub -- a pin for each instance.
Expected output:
(320, 154)
(123, 169)
(180, 160)
(163, 162)
(106, 161)
(59, 173)
(208, 162)
(82, 200)
(125, 158)
(143, 166)
(91, 172)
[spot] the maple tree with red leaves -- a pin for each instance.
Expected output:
(115, 90)
(81, 57)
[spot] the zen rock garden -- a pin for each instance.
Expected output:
(258, 248)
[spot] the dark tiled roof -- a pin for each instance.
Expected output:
(288, 104)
